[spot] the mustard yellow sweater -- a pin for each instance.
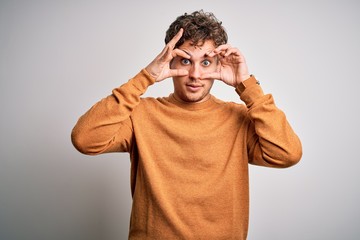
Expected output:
(189, 162)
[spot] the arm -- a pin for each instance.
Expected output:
(106, 126)
(271, 140)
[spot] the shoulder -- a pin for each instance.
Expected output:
(151, 103)
(231, 106)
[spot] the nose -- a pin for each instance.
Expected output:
(195, 72)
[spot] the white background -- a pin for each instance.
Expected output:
(57, 58)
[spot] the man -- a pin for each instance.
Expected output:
(190, 151)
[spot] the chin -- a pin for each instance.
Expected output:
(195, 98)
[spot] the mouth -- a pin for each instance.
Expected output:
(193, 87)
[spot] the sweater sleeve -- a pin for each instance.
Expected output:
(271, 140)
(106, 126)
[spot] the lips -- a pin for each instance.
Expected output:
(193, 87)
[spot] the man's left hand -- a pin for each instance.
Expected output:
(232, 68)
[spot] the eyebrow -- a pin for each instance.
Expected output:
(205, 55)
(187, 53)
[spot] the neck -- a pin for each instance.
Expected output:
(207, 102)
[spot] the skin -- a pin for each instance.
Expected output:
(194, 68)
(193, 87)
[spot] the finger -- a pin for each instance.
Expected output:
(219, 50)
(208, 76)
(181, 53)
(178, 72)
(176, 38)
(230, 51)
(213, 54)
(222, 48)
(166, 55)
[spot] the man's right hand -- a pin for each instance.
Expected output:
(160, 69)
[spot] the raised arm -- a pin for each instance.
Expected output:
(271, 140)
(107, 127)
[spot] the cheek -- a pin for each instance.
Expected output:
(208, 85)
(179, 82)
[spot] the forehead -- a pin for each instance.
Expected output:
(197, 51)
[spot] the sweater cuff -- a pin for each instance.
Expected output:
(142, 80)
(249, 90)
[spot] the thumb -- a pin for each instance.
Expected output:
(213, 75)
(178, 72)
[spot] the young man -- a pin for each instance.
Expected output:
(190, 151)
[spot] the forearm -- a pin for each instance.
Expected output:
(106, 126)
(272, 141)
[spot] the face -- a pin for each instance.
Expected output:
(191, 88)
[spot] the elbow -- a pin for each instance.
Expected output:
(290, 157)
(278, 156)
(282, 157)
(282, 161)
(296, 153)
(80, 142)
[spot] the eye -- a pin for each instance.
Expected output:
(206, 62)
(185, 61)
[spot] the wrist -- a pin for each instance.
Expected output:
(245, 77)
(239, 88)
(149, 70)
(242, 78)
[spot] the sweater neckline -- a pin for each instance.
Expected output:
(192, 106)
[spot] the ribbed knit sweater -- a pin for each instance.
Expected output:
(189, 161)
